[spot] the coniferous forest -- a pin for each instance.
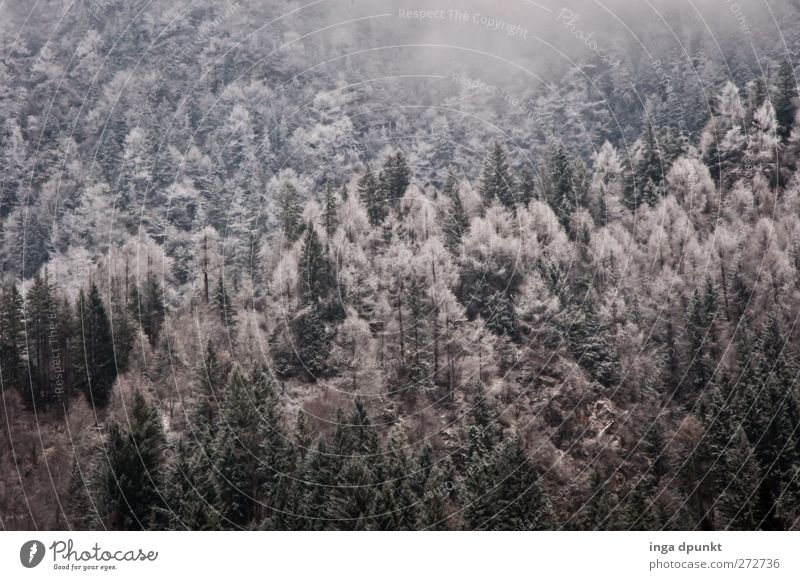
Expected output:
(376, 266)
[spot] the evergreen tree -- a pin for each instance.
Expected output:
(290, 212)
(147, 306)
(456, 221)
(41, 311)
(648, 170)
(639, 512)
(223, 305)
(313, 268)
(133, 475)
(371, 197)
(527, 186)
(737, 505)
(563, 195)
(329, 212)
(785, 100)
(312, 342)
(502, 318)
(703, 310)
(97, 368)
(394, 178)
(123, 328)
(210, 381)
(12, 337)
(496, 180)
(190, 495)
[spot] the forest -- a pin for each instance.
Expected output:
(267, 266)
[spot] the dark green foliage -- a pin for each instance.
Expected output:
(372, 197)
(97, 368)
(394, 178)
(329, 211)
(589, 344)
(41, 310)
(648, 171)
(133, 475)
(456, 221)
(564, 193)
(147, 306)
(12, 337)
(496, 179)
(313, 268)
(290, 212)
(785, 100)
(502, 318)
(223, 305)
(312, 343)
(509, 495)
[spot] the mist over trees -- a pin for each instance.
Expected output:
(272, 267)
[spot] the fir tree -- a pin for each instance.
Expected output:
(785, 100)
(329, 212)
(394, 178)
(371, 197)
(134, 472)
(496, 180)
(737, 505)
(456, 221)
(563, 196)
(223, 305)
(12, 337)
(290, 213)
(97, 370)
(312, 342)
(313, 268)
(147, 306)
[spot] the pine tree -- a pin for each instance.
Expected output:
(290, 212)
(396, 504)
(785, 100)
(12, 337)
(527, 186)
(235, 453)
(737, 505)
(639, 512)
(563, 195)
(41, 311)
(371, 197)
(311, 341)
(456, 221)
(147, 306)
(502, 318)
(97, 370)
(223, 305)
(394, 178)
(496, 180)
(190, 495)
(515, 499)
(133, 475)
(313, 268)
(329, 212)
(123, 329)
(648, 170)
(703, 310)
(210, 383)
